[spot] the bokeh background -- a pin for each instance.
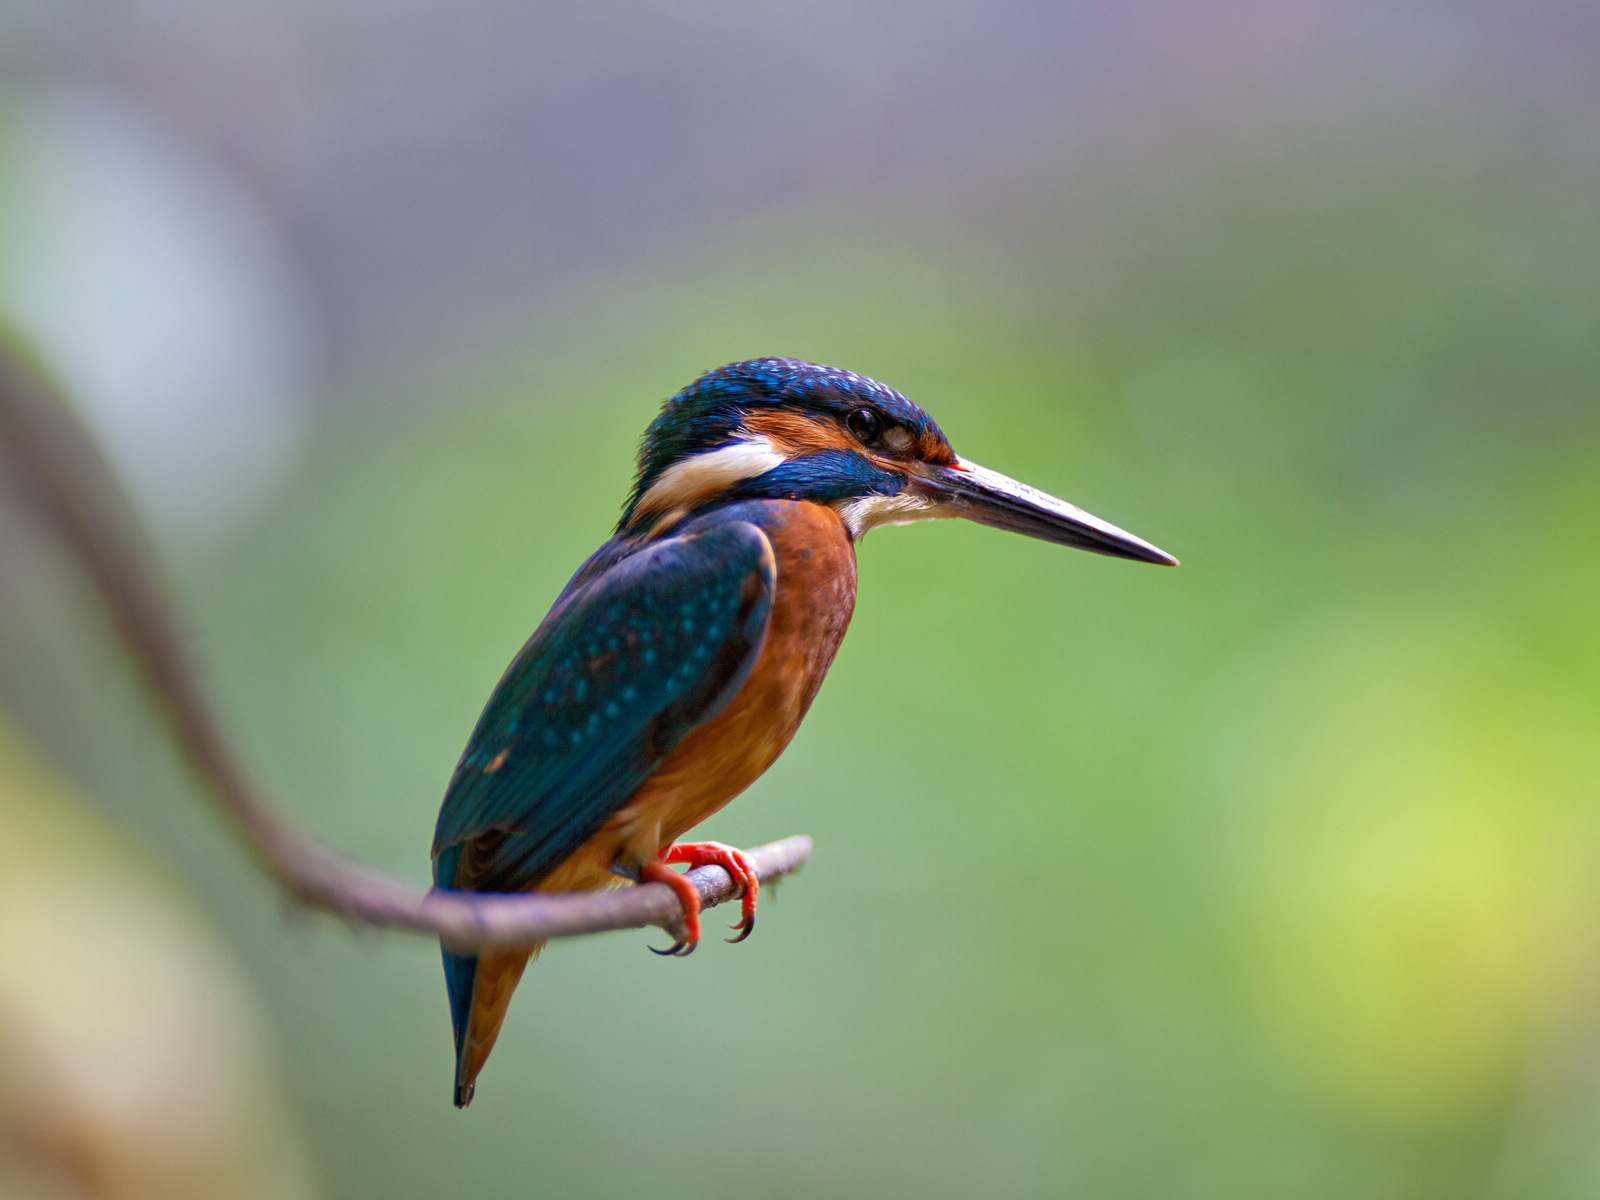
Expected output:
(1273, 876)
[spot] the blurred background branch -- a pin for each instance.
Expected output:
(68, 486)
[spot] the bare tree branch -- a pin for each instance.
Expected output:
(77, 498)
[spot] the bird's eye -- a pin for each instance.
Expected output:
(865, 424)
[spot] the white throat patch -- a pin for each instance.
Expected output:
(861, 513)
(684, 484)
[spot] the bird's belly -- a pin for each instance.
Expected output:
(814, 599)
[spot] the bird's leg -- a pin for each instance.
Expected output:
(657, 871)
(703, 854)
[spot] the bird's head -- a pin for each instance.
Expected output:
(779, 428)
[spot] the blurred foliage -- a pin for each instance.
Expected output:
(130, 1063)
(1270, 876)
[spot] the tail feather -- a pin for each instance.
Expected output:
(460, 974)
(480, 987)
(480, 990)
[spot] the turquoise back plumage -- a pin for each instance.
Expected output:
(648, 641)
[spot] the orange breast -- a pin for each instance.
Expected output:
(816, 595)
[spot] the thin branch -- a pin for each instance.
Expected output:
(77, 498)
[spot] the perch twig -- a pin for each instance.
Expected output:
(76, 496)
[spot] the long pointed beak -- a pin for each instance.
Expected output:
(990, 498)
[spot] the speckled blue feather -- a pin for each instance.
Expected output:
(645, 643)
(622, 669)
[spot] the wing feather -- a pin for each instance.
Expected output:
(602, 692)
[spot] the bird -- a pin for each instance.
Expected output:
(678, 662)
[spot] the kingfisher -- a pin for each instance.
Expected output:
(678, 662)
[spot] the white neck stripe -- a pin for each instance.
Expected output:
(686, 483)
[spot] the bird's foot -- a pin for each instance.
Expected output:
(657, 871)
(734, 862)
(702, 854)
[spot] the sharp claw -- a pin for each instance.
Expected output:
(697, 854)
(678, 949)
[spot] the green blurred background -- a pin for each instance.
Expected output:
(1271, 876)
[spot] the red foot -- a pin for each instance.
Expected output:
(703, 854)
(657, 871)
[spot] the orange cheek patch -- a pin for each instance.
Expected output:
(793, 434)
(931, 448)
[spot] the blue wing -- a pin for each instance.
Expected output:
(613, 680)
